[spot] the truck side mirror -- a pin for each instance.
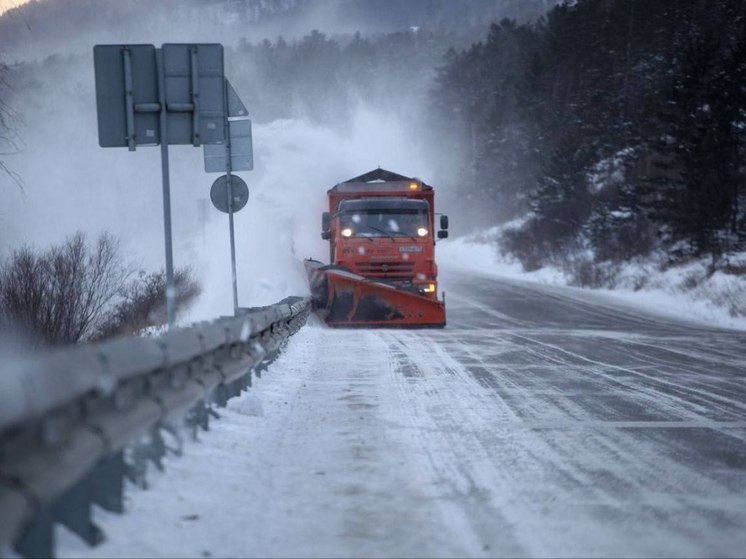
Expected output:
(442, 234)
(444, 222)
(325, 226)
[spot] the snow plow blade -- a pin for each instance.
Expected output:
(344, 299)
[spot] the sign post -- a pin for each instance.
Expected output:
(166, 180)
(235, 155)
(229, 194)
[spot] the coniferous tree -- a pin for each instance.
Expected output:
(629, 115)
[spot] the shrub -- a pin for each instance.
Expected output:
(143, 302)
(59, 296)
(586, 272)
(78, 291)
(526, 244)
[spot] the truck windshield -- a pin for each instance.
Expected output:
(383, 223)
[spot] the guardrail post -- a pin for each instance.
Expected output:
(199, 417)
(108, 483)
(268, 360)
(37, 539)
(136, 468)
(73, 510)
(238, 385)
(221, 395)
(156, 450)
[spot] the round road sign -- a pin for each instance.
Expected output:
(219, 193)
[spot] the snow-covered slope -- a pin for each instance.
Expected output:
(687, 292)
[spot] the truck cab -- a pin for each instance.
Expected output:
(384, 230)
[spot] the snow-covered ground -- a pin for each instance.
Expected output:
(683, 292)
(546, 424)
(298, 467)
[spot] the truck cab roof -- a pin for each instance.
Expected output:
(398, 186)
(380, 180)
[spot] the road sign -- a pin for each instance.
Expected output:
(195, 94)
(236, 107)
(240, 141)
(241, 147)
(128, 97)
(126, 80)
(219, 193)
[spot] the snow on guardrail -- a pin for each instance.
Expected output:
(67, 416)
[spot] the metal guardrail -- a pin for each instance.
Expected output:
(75, 422)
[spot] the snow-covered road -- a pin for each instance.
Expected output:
(541, 422)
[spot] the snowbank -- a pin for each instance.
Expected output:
(686, 292)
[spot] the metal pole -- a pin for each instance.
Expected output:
(195, 96)
(233, 245)
(129, 99)
(170, 288)
(229, 187)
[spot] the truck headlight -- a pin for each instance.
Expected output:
(346, 232)
(422, 231)
(429, 288)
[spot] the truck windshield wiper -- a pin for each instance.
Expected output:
(391, 234)
(387, 233)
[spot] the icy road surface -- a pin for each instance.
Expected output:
(540, 422)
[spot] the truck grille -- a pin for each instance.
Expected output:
(399, 270)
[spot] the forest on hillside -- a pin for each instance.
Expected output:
(618, 125)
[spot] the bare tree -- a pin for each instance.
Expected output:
(143, 303)
(61, 295)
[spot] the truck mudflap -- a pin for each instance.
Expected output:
(345, 299)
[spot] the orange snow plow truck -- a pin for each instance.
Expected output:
(381, 232)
